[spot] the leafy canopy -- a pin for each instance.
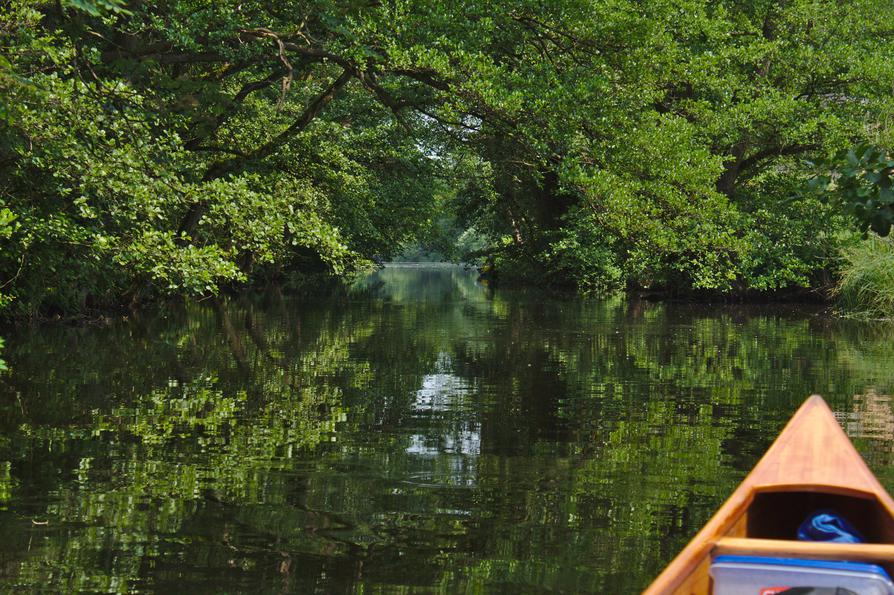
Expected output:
(183, 146)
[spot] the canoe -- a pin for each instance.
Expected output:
(811, 465)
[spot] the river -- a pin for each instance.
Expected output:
(414, 432)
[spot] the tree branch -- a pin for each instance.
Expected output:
(246, 90)
(222, 168)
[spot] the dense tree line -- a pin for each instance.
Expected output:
(183, 146)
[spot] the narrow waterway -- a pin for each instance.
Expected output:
(417, 432)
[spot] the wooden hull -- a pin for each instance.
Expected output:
(811, 465)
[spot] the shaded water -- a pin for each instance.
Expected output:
(416, 433)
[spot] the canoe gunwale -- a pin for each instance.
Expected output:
(859, 552)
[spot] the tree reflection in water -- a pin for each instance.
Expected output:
(416, 430)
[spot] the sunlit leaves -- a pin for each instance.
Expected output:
(862, 180)
(98, 7)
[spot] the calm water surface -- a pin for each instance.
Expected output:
(417, 432)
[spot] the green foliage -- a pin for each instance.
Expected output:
(583, 252)
(448, 237)
(7, 226)
(791, 240)
(862, 181)
(98, 7)
(671, 227)
(182, 148)
(735, 96)
(866, 287)
(135, 178)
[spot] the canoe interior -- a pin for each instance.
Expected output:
(777, 515)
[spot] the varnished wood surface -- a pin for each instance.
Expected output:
(856, 552)
(811, 454)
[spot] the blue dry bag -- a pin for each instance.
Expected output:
(828, 525)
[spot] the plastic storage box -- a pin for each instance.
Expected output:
(751, 575)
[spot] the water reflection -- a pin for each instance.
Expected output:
(414, 431)
(450, 440)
